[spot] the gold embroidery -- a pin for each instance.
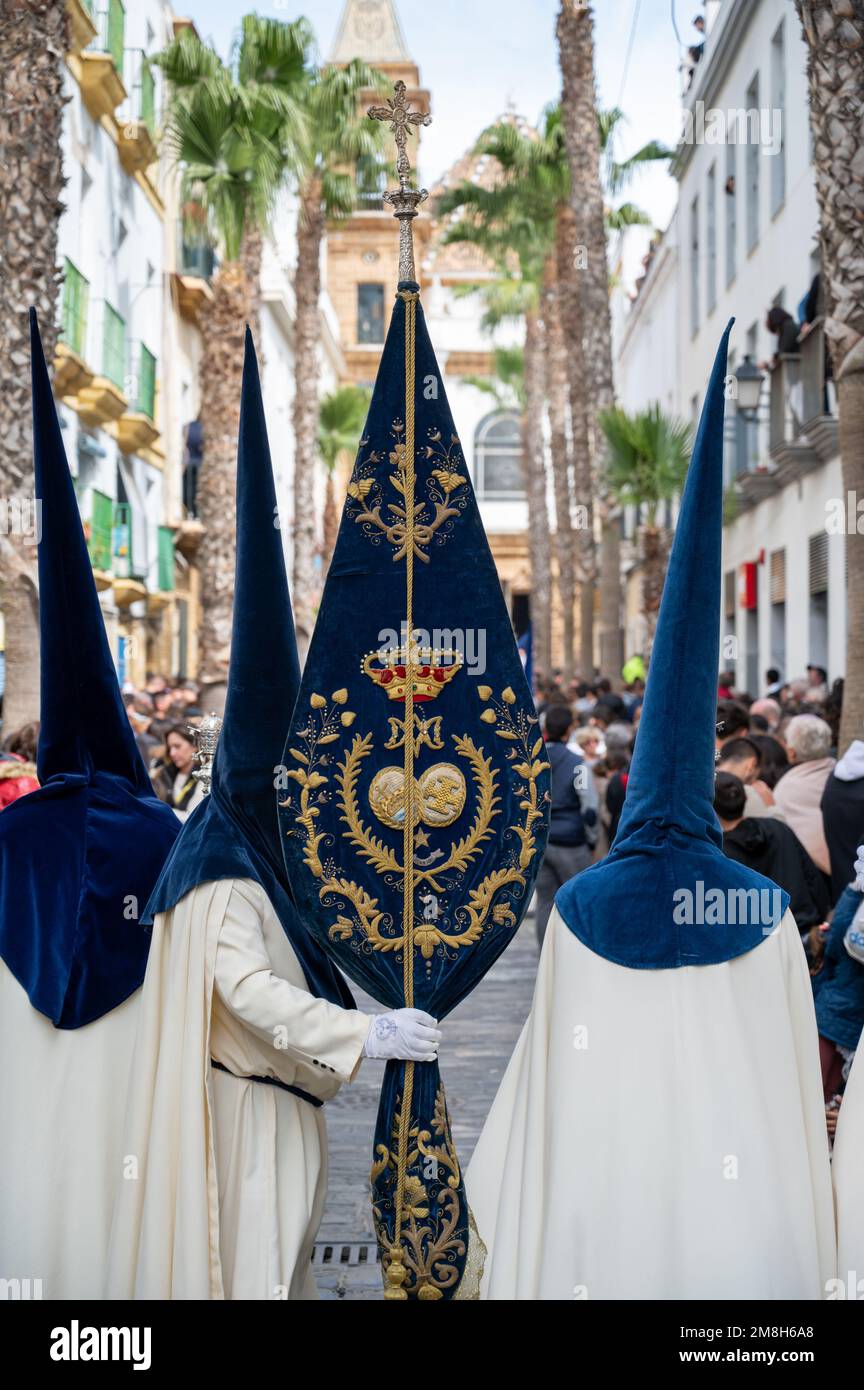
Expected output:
(445, 487)
(429, 1212)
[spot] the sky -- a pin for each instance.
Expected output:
(479, 57)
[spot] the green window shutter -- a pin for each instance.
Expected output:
(76, 293)
(123, 539)
(148, 96)
(166, 559)
(101, 522)
(146, 382)
(113, 346)
(116, 27)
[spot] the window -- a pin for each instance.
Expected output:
(753, 166)
(817, 644)
(370, 313)
(99, 530)
(731, 205)
(148, 96)
(694, 266)
(498, 458)
(116, 27)
(371, 182)
(76, 295)
(777, 573)
(145, 394)
(113, 346)
(778, 114)
(166, 559)
(711, 239)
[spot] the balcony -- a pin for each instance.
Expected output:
(136, 134)
(136, 428)
(129, 586)
(71, 373)
(82, 26)
(803, 428)
(100, 66)
(100, 403)
(197, 262)
(817, 394)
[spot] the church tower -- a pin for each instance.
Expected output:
(362, 250)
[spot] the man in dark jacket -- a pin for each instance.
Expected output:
(770, 847)
(573, 823)
(843, 815)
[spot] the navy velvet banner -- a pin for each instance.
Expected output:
(478, 795)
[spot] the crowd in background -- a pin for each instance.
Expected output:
(162, 716)
(788, 807)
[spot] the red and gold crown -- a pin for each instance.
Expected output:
(431, 671)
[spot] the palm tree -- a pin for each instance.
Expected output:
(835, 38)
(340, 137)
(341, 417)
(34, 38)
(236, 130)
(581, 134)
(647, 459)
(617, 174)
(513, 232)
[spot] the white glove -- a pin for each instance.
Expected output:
(859, 869)
(406, 1034)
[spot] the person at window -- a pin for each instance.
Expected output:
(784, 328)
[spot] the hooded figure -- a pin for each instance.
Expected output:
(246, 1028)
(78, 860)
(659, 1132)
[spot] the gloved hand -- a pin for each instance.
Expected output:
(859, 870)
(408, 1035)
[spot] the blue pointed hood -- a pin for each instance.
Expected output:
(234, 832)
(78, 857)
(84, 727)
(666, 895)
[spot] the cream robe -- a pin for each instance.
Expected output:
(231, 1173)
(848, 1173)
(606, 1168)
(62, 1097)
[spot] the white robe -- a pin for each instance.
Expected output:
(675, 1148)
(62, 1098)
(848, 1173)
(231, 1173)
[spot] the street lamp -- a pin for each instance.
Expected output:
(749, 379)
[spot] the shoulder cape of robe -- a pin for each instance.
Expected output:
(187, 1125)
(659, 1134)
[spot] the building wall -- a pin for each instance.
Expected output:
(777, 268)
(112, 233)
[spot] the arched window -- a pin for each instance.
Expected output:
(498, 457)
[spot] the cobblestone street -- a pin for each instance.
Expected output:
(478, 1040)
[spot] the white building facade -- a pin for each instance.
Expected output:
(746, 233)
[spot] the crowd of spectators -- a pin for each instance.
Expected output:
(787, 804)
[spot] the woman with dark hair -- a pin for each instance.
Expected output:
(774, 759)
(178, 785)
(786, 331)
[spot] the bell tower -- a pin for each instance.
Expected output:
(362, 250)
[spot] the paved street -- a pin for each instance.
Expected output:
(478, 1040)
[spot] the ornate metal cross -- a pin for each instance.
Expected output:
(405, 200)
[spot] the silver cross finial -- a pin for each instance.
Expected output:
(405, 200)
